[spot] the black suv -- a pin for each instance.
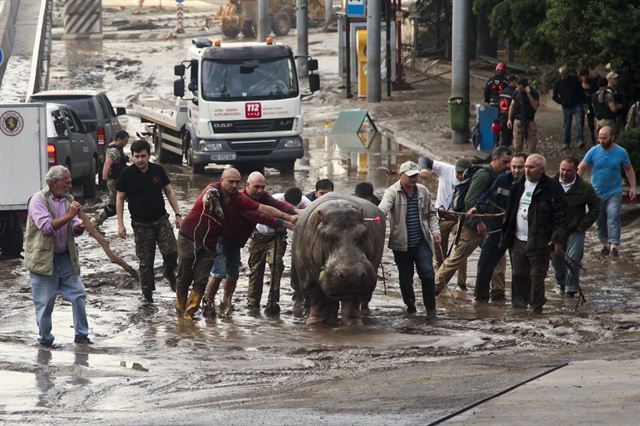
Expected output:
(95, 111)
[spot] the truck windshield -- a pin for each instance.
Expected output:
(249, 80)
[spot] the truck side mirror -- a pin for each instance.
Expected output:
(312, 65)
(314, 82)
(178, 88)
(179, 70)
(121, 111)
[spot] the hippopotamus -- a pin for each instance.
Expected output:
(337, 248)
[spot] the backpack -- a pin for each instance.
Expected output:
(600, 107)
(460, 192)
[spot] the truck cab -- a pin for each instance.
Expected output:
(241, 106)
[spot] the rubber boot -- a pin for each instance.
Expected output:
(273, 308)
(181, 301)
(225, 305)
(193, 303)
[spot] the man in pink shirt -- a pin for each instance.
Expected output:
(51, 255)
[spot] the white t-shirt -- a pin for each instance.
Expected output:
(567, 186)
(447, 182)
(264, 229)
(522, 224)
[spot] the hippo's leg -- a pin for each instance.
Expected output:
(350, 311)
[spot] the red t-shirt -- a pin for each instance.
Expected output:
(206, 228)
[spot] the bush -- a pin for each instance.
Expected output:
(630, 140)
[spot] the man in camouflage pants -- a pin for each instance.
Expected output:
(269, 246)
(142, 185)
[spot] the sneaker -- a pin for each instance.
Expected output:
(208, 309)
(411, 309)
(82, 340)
(614, 252)
(272, 309)
(462, 286)
(497, 296)
(605, 251)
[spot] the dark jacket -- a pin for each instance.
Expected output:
(480, 182)
(546, 216)
(493, 87)
(568, 92)
(579, 196)
(496, 199)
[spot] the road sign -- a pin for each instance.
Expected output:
(1, 56)
(355, 7)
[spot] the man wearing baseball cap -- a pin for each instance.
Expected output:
(414, 230)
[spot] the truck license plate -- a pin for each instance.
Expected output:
(227, 156)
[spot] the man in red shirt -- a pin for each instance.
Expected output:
(220, 209)
(227, 262)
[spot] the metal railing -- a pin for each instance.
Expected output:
(39, 75)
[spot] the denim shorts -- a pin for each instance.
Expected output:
(227, 261)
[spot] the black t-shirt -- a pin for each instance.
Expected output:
(144, 191)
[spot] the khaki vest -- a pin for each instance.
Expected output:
(39, 248)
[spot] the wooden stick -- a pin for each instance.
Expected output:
(105, 245)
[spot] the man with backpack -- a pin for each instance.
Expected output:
(607, 104)
(522, 113)
(470, 231)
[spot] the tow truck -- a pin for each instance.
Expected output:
(243, 107)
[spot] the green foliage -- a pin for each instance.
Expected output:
(630, 140)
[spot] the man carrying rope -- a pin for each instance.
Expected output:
(219, 209)
(492, 262)
(473, 232)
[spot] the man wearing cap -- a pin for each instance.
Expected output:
(414, 230)
(474, 229)
(448, 177)
(611, 115)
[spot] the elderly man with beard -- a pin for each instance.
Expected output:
(534, 225)
(219, 210)
(51, 255)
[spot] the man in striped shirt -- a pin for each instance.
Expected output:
(414, 230)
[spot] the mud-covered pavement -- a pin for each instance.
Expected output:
(148, 367)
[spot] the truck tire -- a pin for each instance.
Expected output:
(280, 24)
(230, 28)
(197, 168)
(89, 185)
(287, 167)
(249, 29)
(12, 237)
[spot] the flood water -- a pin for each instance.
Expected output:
(149, 367)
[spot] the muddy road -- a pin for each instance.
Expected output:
(148, 367)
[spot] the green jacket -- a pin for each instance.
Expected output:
(480, 182)
(39, 247)
(579, 196)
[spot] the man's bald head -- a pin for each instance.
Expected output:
(255, 186)
(229, 181)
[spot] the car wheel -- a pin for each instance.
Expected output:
(280, 24)
(287, 167)
(12, 239)
(89, 186)
(197, 168)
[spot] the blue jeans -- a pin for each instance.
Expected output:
(422, 257)
(608, 222)
(45, 288)
(227, 261)
(575, 250)
(567, 115)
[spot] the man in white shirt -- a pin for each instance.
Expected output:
(534, 225)
(448, 177)
(268, 246)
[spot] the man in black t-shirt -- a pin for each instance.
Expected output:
(142, 185)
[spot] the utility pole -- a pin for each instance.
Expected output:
(373, 50)
(263, 20)
(303, 37)
(328, 12)
(461, 19)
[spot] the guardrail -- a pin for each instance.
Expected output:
(39, 75)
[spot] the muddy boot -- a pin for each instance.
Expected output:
(273, 308)
(181, 302)
(226, 306)
(193, 303)
(298, 309)
(208, 309)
